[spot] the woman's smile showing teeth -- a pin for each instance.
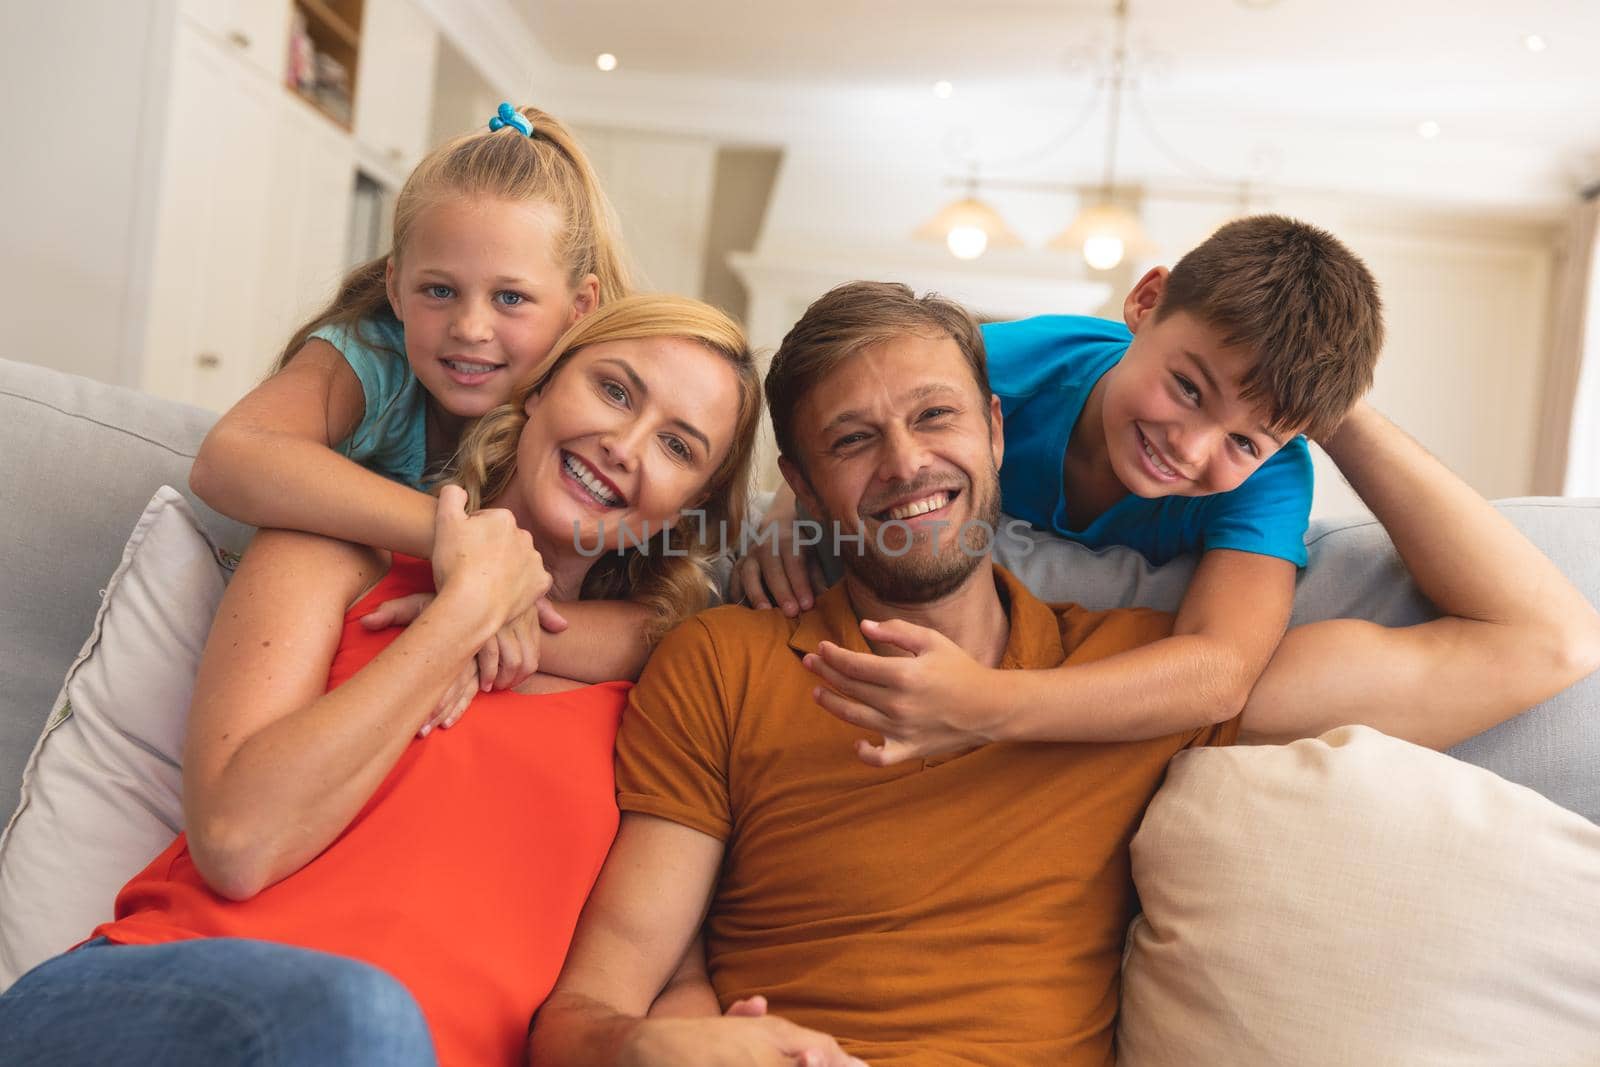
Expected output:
(591, 485)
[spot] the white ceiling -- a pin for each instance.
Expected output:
(1300, 93)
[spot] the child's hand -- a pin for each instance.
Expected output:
(937, 700)
(484, 561)
(507, 660)
(777, 569)
(748, 1008)
(511, 657)
(455, 701)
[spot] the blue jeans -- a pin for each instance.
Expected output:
(212, 1002)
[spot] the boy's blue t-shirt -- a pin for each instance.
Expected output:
(1043, 369)
(392, 438)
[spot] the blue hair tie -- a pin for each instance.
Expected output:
(510, 116)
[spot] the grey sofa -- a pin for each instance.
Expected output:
(81, 459)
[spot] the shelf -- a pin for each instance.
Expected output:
(334, 28)
(319, 12)
(322, 109)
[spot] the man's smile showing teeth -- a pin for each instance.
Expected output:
(587, 478)
(911, 509)
(1155, 460)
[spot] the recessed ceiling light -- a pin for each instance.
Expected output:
(606, 61)
(1534, 43)
(943, 89)
(1427, 129)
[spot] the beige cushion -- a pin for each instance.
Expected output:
(101, 794)
(1355, 899)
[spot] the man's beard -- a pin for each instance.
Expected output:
(920, 576)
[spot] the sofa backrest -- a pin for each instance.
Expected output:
(1354, 572)
(80, 461)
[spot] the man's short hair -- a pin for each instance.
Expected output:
(1305, 305)
(849, 318)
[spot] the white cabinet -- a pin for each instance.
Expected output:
(213, 217)
(252, 215)
(310, 201)
(394, 89)
(257, 29)
(170, 181)
(660, 185)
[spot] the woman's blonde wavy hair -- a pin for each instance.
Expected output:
(548, 167)
(674, 585)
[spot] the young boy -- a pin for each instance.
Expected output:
(1176, 432)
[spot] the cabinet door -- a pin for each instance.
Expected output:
(394, 88)
(257, 29)
(313, 178)
(202, 338)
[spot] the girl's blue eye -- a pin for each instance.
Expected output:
(615, 391)
(679, 448)
(440, 292)
(509, 299)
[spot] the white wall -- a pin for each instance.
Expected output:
(660, 184)
(1466, 294)
(1464, 364)
(463, 99)
(78, 141)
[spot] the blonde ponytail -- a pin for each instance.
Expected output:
(548, 167)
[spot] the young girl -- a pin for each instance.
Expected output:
(323, 832)
(502, 240)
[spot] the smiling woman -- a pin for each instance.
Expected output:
(598, 447)
(324, 834)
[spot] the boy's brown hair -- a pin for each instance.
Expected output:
(852, 317)
(1302, 302)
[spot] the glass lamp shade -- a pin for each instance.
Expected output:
(1105, 235)
(968, 227)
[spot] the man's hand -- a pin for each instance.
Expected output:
(777, 568)
(743, 1040)
(937, 700)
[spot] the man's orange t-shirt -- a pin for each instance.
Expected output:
(963, 910)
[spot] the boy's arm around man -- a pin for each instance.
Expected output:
(1513, 631)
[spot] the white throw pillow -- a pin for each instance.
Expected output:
(1356, 899)
(101, 794)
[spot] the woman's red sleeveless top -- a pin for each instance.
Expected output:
(464, 874)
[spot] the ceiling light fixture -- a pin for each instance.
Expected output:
(606, 61)
(1105, 232)
(1428, 129)
(969, 227)
(1534, 43)
(943, 90)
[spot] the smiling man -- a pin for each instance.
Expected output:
(967, 908)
